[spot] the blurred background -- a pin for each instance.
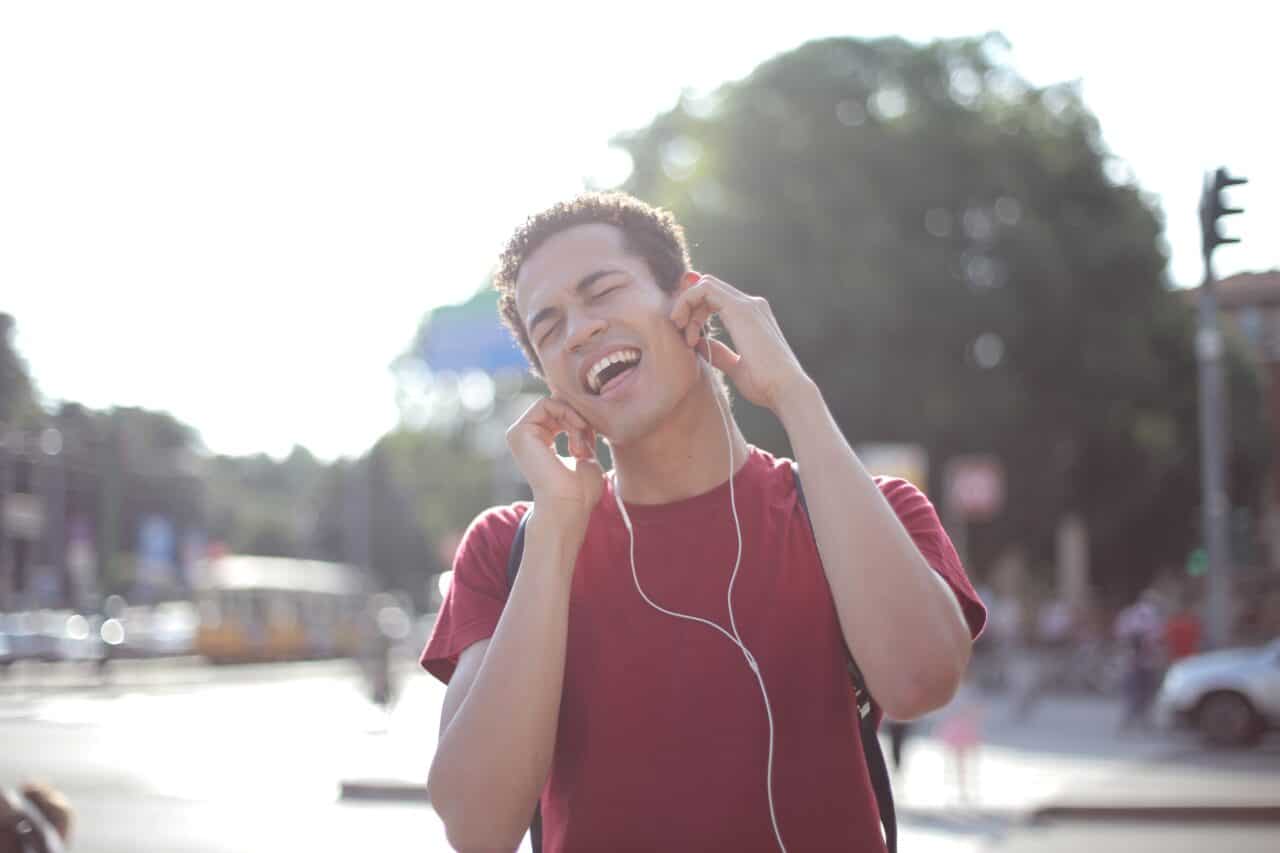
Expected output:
(253, 386)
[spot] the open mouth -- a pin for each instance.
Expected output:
(610, 370)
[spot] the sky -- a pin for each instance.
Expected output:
(239, 212)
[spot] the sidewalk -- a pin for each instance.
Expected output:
(1069, 761)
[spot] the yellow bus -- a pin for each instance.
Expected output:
(276, 608)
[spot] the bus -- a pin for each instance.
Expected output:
(256, 609)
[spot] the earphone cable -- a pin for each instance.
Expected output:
(734, 637)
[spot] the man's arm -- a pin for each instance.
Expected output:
(498, 725)
(498, 722)
(901, 620)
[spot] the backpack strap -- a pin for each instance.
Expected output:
(517, 549)
(513, 566)
(874, 754)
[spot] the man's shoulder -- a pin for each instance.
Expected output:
(501, 516)
(896, 487)
(771, 468)
(492, 532)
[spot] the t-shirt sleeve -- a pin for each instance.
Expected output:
(921, 521)
(478, 591)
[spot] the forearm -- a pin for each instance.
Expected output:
(495, 753)
(900, 619)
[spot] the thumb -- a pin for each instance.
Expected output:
(723, 358)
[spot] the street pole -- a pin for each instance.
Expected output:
(1215, 504)
(1214, 501)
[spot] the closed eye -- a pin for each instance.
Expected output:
(552, 328)
(600, 294)
(611, 282)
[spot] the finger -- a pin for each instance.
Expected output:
(562, 418)
(564, 413)
(723, 358)
(544, 413)
(697, 326)
(704, 292)
(549, 418)
(587, 443)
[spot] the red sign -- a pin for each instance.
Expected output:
(975, 486)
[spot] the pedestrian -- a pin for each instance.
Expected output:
(667, 668)
(35, 818)
(1140, 630)
(960, 731)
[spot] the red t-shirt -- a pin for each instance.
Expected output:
(663, 740)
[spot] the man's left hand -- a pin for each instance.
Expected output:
(764, 369)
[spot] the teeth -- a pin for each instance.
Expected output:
(593, 375)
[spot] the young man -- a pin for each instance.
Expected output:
(579, 685)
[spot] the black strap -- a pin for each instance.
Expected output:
(513, 566)
(876, 767)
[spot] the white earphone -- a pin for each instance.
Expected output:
(733, 637)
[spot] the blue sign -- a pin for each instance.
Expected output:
(469, 337)
(156, 557)
(156, 540)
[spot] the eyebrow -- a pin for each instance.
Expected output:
(580, 287)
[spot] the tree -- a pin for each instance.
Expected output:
(123, 465)
(958, 262)
(260, 506)
(17, 394)
(412, 491)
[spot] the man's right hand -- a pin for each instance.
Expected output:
(571, 485)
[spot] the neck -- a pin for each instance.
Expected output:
(687, 456)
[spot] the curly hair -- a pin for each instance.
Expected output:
(648, 232)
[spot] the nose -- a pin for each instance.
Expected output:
(583, 326)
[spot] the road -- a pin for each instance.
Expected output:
(196, 759)
(184, 757)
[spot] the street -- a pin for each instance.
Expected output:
(178, 756)
(189, 758)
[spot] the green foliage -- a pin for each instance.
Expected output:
(386, 510)
(259, 506)
(896, 203)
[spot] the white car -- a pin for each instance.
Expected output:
(1231, 696)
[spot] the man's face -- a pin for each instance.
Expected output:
(601, 327)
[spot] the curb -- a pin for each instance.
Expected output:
(959, 815)
(1254, 813)
(383, 790)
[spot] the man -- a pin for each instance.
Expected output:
(579, 686)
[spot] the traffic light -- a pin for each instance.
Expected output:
(1212, 208)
